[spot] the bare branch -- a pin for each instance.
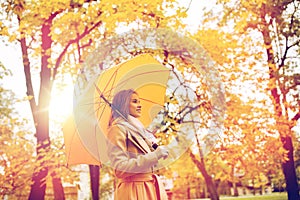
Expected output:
(189, 6)
(73, 41)
(296, 117)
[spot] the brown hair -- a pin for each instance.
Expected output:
(120, 103)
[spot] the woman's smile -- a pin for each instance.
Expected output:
(135, 108)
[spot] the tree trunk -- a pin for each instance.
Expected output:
(253, 183)
(288, 166)
(235, 191)
(42, 124)
(38, 186)
(57, 188)
(188, 192)
(41, 120)
(211, 187)
(94, 179)
(234, 185)
(289, 170)
(43, 143)
(205, 194)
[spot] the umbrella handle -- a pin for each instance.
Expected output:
(106, 101)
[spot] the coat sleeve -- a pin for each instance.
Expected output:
(124, 162)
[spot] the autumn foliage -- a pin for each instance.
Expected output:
(255, 48)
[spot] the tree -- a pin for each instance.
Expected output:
(249, 144)
(187, 180)
(238, 65)
(220, 51)
(62, 33)
(278, 25)
(94, 180)
(16, 161)
(186, 120)
(15, 150)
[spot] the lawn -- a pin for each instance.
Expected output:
(274, 196)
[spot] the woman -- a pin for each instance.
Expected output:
(131, 153)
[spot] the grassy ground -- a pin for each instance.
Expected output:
(274, 196)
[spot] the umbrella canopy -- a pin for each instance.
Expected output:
(75, 151)
(87, 132)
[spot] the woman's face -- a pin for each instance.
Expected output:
(135, 108)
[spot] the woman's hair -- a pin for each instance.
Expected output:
(120, 103)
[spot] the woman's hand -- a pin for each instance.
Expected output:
(162, 152)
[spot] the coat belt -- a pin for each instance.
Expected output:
(137, 178)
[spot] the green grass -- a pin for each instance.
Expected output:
(274, 196)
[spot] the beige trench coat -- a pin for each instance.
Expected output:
(133, 161)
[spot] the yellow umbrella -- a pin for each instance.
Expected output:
(75, 151)
(144, 74)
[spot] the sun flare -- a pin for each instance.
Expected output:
(61, 104)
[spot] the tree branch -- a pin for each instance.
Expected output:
(29, 87)
(191, 109)
(79, 5)
(296, 117)
(76, 40)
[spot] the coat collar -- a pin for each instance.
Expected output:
(135, 136)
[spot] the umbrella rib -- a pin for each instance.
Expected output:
(134, 76)
(108, 103)
(98, 109)
(69, 153)
(113, 77)
(113, 80)
(101, 96)
(150, 101)
(140, 74)
(91, 110)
